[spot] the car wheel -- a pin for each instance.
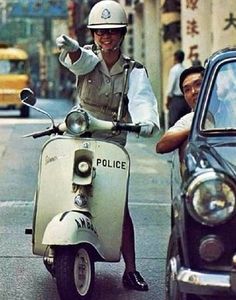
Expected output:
(74, 271)
(24, 111)
(172, 261)
(172, 292)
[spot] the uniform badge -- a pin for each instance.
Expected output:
(106, 14)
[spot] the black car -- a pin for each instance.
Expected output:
(201, 256)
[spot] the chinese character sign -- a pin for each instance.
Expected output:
(195, 31)
(223, 24)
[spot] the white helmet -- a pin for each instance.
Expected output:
(107, 14)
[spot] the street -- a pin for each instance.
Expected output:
(24, 276)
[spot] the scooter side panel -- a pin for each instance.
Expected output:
(109, 199)
(55, 194)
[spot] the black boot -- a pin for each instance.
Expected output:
(134, 281)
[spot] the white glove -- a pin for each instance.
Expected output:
(67, 43)
(146, 129)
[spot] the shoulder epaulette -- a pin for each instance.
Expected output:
(138, 65)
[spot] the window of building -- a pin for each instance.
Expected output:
(130, 19)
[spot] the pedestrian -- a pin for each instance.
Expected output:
(189, 83)
(196, 62)
(175, 103)
(100, 71)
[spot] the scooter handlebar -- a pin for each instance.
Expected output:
(43, 133)
(61, 128)
(128, 127)
(39, 134)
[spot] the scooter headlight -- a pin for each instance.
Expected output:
(211, 198)
(77, 122)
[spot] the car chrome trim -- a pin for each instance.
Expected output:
(202, 283)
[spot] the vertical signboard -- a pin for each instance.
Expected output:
(196, 29)
(223, 23)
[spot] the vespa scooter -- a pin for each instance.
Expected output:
(80, 199)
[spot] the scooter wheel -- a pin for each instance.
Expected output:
(74, 271)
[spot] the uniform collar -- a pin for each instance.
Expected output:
(117, 68)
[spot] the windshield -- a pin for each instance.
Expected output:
(221, 108)
(12, 66)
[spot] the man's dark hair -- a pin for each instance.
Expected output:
(189, 71)
(179, 56)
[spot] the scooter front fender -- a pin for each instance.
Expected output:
(71, 228)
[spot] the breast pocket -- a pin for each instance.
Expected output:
(89, 89)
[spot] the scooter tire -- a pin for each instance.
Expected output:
(74, 272)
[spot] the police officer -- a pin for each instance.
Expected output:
(111, 85)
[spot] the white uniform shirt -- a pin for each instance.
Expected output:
(142, 104)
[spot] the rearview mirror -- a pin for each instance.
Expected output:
(27, 96)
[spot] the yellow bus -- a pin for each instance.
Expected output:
(14, 76)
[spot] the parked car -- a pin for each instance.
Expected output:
(14, 76)
(201, 256)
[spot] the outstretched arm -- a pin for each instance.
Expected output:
(176, 135)
(171, 141)
(77, 59)
(74, 56)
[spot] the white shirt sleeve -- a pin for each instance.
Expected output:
(143, 104)
(183, 123)
(85, 64)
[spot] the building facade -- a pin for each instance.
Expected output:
(157, 28)
(160, 27)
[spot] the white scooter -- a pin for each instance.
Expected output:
(80, 199)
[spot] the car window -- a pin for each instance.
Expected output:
(4, 66)
(221, 109)
(12, 66)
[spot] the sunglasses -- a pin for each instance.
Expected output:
(111, 31)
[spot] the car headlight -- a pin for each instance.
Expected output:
(211, 198)
(77, 122)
